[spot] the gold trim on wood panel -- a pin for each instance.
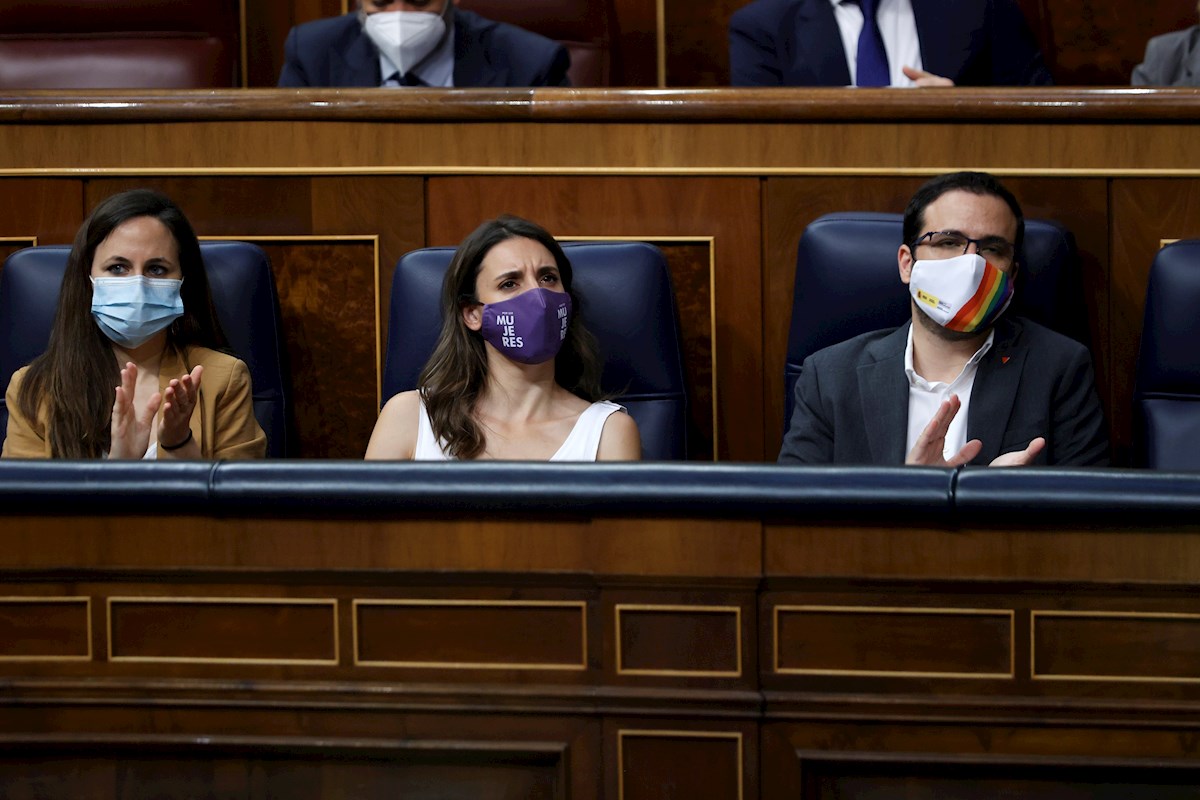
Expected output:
(711, 241)
(373, 238)
(1149, 615)
(982, 612)
(568, 604)
(681, 673)
(569, 170)
(266, 601)
(32, 240)
(660, 42)
(623, 733)
(1164, 242)
(87, 606)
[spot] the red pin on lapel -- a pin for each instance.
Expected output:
(1004, 359)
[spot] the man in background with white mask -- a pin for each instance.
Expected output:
(396, 43)
(961, 383)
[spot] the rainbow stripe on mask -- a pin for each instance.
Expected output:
(989, 300)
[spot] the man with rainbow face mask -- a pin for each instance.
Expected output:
(962, 382)
(414, 43)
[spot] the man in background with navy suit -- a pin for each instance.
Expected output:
(394, 43)
(918, 42)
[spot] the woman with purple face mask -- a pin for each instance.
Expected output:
(514, 375)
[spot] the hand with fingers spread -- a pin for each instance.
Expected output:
(179, 401)
(922, 78)
(131, 426)
(1020, 458)
(930, 446)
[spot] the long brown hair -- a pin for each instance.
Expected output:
(455, 374)
(74, 379)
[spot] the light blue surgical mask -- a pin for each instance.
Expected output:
(131, 310)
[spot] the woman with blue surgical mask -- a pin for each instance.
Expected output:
(137, 365)
(514, 375)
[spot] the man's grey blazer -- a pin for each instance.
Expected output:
(1172, 59)
(852, 400)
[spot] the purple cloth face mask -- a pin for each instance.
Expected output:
(530, 327)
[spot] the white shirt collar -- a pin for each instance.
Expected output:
(916, 380)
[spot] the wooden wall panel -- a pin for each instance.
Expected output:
(267, 26)
(637, 42)
(44, 628)
(223, 630)
(481, 634)
(150, 770)
(50, 209)
(332, 349)
(1121, 646)
(635, 208)
(697, 42)
(893, 642)
(680, 760)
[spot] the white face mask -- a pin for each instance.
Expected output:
(407, 37)
(963, 294)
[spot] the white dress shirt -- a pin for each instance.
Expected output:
(925, 398)
(899, 29)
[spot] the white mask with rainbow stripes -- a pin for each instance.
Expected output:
(964, 293)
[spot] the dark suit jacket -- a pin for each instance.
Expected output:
(1172, 59)
(852, 400)
(336, 52)
(797, 43)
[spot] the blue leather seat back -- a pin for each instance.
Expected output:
(243, 292)
(1167, 390)
(847, 283)
(627, 304)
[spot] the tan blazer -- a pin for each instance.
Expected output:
(223, 422)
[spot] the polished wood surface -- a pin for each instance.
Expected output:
(613, 105)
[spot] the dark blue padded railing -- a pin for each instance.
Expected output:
(355, 489)
(243, 292)
(628, 305)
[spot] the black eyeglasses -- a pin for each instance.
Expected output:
(947, 244)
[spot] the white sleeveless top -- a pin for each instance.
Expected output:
(581, 444)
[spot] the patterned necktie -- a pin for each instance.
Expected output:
(872, 58)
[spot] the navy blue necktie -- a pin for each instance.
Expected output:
(872, 58)
(408, 79)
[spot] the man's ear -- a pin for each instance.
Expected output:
(904, 259)
(472, 314)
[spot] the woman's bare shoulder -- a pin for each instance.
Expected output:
(620, 439)
(395, 434)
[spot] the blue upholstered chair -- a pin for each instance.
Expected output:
(627, 304)
(1166, 396)
(243, 291)
(847, 283)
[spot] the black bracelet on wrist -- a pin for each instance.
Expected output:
(186, 439)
